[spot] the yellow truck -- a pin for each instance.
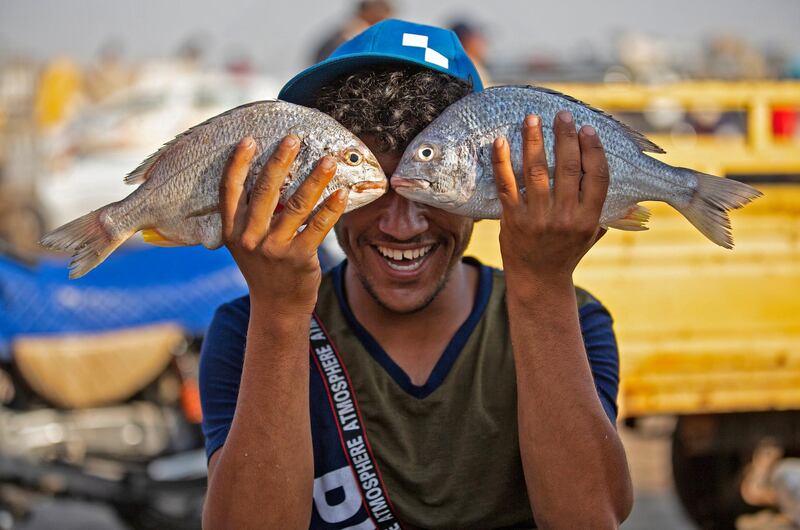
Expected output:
(705, 334)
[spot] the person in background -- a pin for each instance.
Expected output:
(110, 73)
(367, 13)
(475, 44)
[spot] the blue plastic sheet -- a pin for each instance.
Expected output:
(136, 285)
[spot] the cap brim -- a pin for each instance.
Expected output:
(303, 87)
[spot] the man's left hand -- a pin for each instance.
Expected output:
(544, 233)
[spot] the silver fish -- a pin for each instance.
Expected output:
(177, 203)
(449, 164)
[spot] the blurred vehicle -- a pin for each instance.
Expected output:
(88, 158)
(709, 336)
(98, 382)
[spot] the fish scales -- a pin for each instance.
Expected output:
(455, 173)
(177, 201)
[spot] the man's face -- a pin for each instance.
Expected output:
(428, 241)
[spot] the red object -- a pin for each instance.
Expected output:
(784, 122)
(190, 402)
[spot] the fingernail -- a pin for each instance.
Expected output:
(500, 142)
(326, 163)
(291, 141)
(532, 120)
(248, 142)
(565, 116)
(588, 130)
(342, 194)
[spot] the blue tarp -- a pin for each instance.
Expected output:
(136, 285)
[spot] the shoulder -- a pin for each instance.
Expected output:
(585, 298)
(587, 302)
(228, 328)
(235, 310)
(595, 319)
(229, 322)
(226, 335)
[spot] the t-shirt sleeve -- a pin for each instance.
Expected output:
(601, 348)
(221, 361)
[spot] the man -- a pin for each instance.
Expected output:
(437, 392)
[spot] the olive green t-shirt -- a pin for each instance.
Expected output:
(448, 450)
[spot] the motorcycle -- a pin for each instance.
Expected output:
(98, 382)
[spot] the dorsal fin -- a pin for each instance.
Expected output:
(635, 136)
(141, 173)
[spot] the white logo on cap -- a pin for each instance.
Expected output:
(421, 41)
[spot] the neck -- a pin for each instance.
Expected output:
(431, 327)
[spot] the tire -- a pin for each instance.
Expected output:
(708, 485)
(710, 454)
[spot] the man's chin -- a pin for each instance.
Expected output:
(402, 301)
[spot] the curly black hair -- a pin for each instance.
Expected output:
(392, 103)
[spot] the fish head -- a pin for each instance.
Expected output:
(436, 172)
(358, 169)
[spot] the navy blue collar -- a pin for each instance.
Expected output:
(451, 353)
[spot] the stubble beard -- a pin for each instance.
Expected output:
(440, 284)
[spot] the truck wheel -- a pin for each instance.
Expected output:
(708, 475)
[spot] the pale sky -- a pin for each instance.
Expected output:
(279, 35)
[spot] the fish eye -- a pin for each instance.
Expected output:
(425, 153)
(353, 158)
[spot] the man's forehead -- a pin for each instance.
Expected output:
(388, 159)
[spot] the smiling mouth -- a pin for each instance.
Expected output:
(405, 260)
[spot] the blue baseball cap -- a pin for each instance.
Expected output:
(387, 42)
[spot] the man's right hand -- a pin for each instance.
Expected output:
(267, 458)
(279, 264)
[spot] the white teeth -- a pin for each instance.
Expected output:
(410, 267)
(408, 254)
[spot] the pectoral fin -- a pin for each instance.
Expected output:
(154, 237)
(635, 220)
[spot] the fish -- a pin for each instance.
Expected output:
(448, 165)
(177, 202)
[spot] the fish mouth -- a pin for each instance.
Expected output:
(407, 184)
(363, 193)
(369, 185)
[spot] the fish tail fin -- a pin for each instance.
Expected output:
(713, 198)
(87, 239)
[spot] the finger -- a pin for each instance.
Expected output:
(504, 174)
(534, 165)
(231, 186)
(594, 185)
(568, 161)
(302, 202)
(266, 190)
(322, 222)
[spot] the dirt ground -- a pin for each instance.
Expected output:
(655, 504)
